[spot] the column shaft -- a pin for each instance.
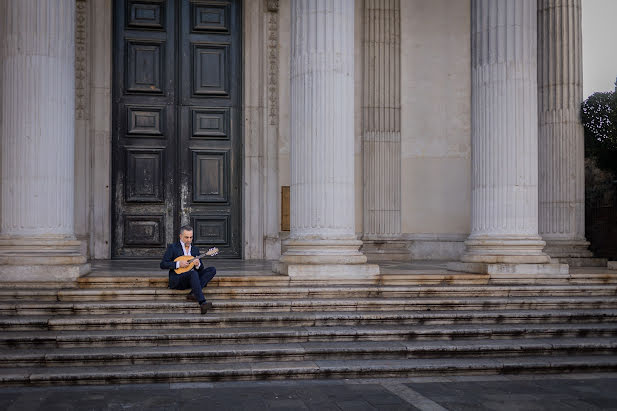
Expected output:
(38, 117)
(560, 139)
(322, 171)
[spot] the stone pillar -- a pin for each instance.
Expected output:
(381, 134)
(560, 133)
(504, 237)
(37, 81)
(322, 240)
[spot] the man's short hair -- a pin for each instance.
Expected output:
(185, 228)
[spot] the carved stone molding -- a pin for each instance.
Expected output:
(273, 64)
(272, 5)
(81, 59)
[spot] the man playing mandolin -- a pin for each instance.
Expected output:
(185, 269)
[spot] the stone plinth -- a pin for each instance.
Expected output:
(42, 259)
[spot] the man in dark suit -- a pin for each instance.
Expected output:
(195, 279)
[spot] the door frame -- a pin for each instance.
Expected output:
(260, 222)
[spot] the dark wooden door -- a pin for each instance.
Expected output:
(176, 135)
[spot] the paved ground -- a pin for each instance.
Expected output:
(503, 393)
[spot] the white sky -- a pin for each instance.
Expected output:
(599, 45)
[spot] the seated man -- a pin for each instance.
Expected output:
(195, 279)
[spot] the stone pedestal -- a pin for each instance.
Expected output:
(504, 235)
(322, 241)
(561, 185)
(37, 79)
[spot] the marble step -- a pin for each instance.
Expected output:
(302, 318)
(307, 351)
(426, 277)
(303, 304)
(247, 280)
(167, 373)
(154, 293)
(259, 335)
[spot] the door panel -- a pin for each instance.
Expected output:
(176, 115)
(209, 108)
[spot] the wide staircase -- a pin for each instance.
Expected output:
(135, 330)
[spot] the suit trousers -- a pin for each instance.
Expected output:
(193, 279)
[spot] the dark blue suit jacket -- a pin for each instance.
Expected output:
(174, 251)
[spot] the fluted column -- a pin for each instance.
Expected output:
(381, 134)
(561, 139)
(322, 239)
(504, 139)
(37, 82)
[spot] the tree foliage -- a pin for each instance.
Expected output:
(599, 116)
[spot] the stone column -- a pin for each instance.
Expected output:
(381, 134)
(560, 134)
(37, 81)
(322, 240)
(504, 237)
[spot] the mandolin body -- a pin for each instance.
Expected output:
(180, 270)
(189, 267)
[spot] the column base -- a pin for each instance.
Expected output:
(509, 259)
(567, 248)
(507, 250)
(42, 260)
(611, 265)
(575, 253)
(309, 259)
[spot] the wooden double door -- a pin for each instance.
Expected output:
(176, 139)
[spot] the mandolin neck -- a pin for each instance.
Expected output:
(197, 258)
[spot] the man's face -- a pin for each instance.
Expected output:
(186, 237)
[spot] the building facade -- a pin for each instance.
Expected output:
(405, 129)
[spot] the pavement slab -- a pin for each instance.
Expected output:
(543, 392)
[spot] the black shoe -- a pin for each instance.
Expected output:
(204, 307)
(191, 297)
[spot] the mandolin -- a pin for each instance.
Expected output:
(191, 260)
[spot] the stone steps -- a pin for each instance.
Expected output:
(306, 351)
(164, 321)
(304, 369)
(230, 292)
(301, 304)
(260, 335)
(128, 330)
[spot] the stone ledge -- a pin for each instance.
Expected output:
(580, 261)
(512, 270)
(327, 271)
(42, 275)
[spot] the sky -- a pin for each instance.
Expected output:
(599, 45)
